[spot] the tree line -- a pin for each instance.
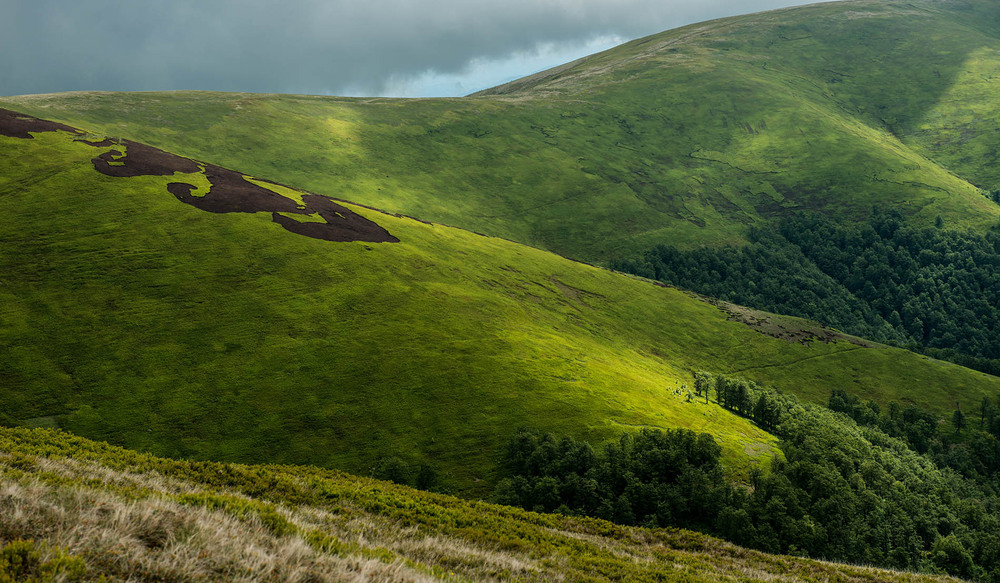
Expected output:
(890, 488)
(930, 289)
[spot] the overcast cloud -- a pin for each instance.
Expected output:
(333, 47)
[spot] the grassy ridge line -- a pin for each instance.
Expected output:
(133, 515)
(685, 137)
(131, 317)
(919, 72)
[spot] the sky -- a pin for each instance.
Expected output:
(396, 48)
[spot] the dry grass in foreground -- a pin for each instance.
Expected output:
(77, 510)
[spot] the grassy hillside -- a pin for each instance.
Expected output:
(129, 316)
(82, 509)
(684, 137)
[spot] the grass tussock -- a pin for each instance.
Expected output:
(154, 538)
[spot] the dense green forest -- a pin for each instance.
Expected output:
(930, 289)
(856, 484)
(972, 450)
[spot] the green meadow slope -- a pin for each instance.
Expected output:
(129, 316)
(686, 137)
(76, 510)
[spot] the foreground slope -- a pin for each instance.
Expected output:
(686, 137)
(128, 313)
(87, 510)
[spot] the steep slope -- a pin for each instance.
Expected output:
(88, 510)
(128, 313)
(685, 137)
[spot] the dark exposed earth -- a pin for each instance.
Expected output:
(16, 125)
(230, 192)
(140, 160)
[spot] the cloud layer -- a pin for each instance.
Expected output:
(376, 47)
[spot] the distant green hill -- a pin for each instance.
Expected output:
(130, 316)
(685, 137)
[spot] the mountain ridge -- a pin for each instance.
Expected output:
(825, 110)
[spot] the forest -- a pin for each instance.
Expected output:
(932, 290)
(856, 484)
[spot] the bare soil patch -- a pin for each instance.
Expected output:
(141, 160)
(342, 224)
(785, 328)
(232, 193)
(105, 143)
(18, 125)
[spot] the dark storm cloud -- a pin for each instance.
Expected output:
(303, 46)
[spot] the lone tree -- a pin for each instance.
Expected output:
(986, 412)
(958, 419)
